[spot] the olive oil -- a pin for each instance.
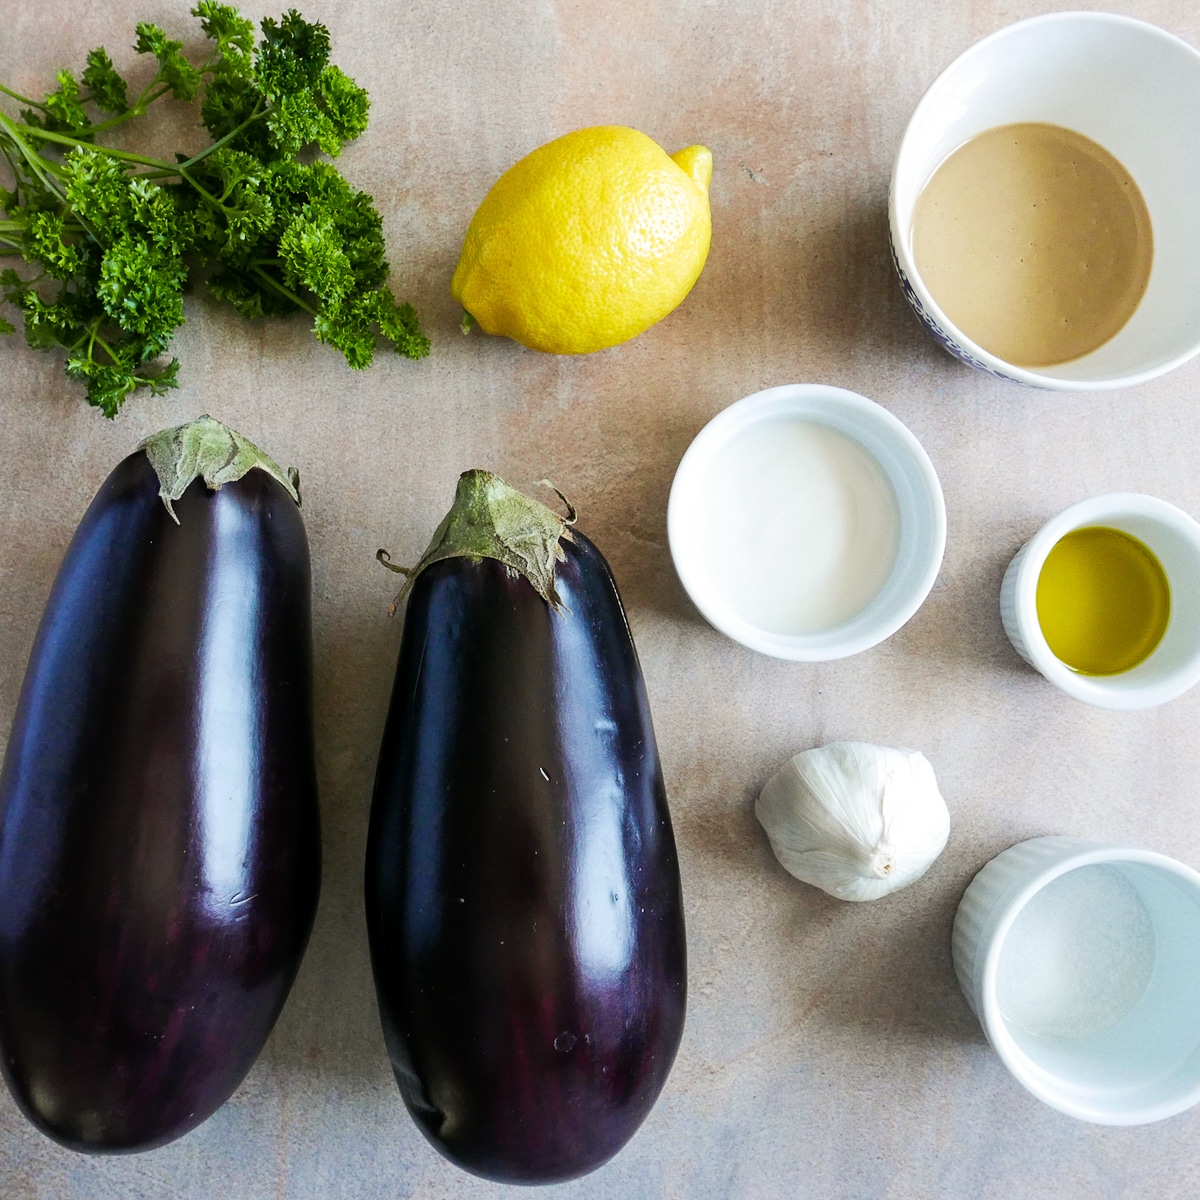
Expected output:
(1103, 601)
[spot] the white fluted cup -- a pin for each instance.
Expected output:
(1115, 995)
(1173, 538)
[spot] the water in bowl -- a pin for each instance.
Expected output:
(1079, 956)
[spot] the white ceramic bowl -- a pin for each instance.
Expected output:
(1174, 538)
(1129, 86)
(922, 518)
(1120, 952)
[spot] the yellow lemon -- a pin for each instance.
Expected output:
(587, 241)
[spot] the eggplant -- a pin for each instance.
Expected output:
(522, 886)
(159, 832)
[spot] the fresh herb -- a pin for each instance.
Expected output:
(114, 236)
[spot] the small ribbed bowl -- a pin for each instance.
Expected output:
(1174, 539)
(1146, 1065)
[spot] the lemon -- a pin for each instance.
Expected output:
(587, 242)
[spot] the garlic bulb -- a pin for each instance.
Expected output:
(857, 820)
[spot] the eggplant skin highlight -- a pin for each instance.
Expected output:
(159, 830)
(523, 897)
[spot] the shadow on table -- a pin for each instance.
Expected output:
(902, 979)
(330, 1025)
(883, 966)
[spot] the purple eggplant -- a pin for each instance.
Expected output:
(522, 887)
(159, 832)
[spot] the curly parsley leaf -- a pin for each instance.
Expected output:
(46, 245)
(346, 105)
(174, 70)
(64, 106)
(232, 32)
(291, 55)
(115, 235)
(12, 286)
(107, 90)
(141, 287)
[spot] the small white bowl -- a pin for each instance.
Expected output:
(1131, 87)
(922, 518)
(1174, 539)
(1107, 965)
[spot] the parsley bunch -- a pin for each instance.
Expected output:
(113, 235)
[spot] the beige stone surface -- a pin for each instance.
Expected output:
(828, 1053)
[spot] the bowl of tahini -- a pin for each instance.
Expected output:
(1042, 207)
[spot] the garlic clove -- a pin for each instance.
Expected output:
(857, 820)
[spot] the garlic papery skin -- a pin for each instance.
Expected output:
(856, 820)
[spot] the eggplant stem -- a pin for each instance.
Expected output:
(383, 557)
(572, 516)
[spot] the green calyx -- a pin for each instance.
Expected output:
(489, 519)
(206, 449)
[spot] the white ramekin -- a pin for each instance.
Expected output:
(918, 494)
(1174, 538)
(1131, 87)
(1147, 1066)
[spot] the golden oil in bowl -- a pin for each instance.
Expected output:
(1103, 601)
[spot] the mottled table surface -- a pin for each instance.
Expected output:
(828, 1052)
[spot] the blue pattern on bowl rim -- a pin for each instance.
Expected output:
(939, 334)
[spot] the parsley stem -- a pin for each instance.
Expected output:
(137, 109)
(256, 115)
(180, 169)
(96, 340)
(18, 182)
(148, 96)
(36, 163)
(274, 283)
(61, 139)
(22, 99)
(213, 200)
